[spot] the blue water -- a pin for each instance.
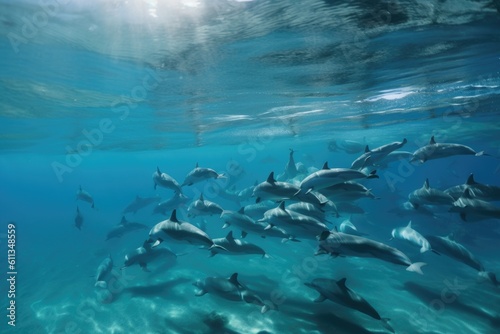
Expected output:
(98, 94)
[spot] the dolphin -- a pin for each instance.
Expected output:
(140, 203)
(199, 174)
(84, 196)
(247, 225)
(435, 150)
(294, 223)
(78, 219)
(166, 181)
(290, 168)
(408, 234)
(246, 193)
(145, 254)
(338, 292)
(308, 209)
(449, 247)
(428, 195)
(179, 231)
(124, 227)
(229, 289)
(468, 206)
(342, 244)
(372, 157)
(396, 156)
(202, 207)
(236, 246)
(477, 190)
(103, 271)
(171, 204)
(327, 177)
(279, 191)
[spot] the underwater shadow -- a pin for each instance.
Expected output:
(156, 290)
(426, 296)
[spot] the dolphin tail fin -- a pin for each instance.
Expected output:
(385, 323)
(373, 175)
(486, 275)
(101, 284)
(221, 176)
(416, 267)
(481, 153)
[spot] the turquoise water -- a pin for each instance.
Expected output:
(99, 94)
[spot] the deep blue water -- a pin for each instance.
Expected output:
(99, 94)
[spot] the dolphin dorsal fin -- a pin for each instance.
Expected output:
(367, 149)
(234, 279)
(196, 165)
(77, 209)
(201, 197)
(282, 205)
(229, 236)
(255, 183)
(470, 180)
(173, 217)
(341, 283)
(409, 224)
(426, 184)
(158, 170)
(242, 210)
(270, 178)
(325, 165)
(432, 141)
(451, 236)
(291, 151)
(123, 221)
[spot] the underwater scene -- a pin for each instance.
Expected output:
(250, 167)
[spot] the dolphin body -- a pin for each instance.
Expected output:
(477, 190)
(435, 150)
(348, 146)
(396, 156)
(145, 254)
(140, 203)
(103, 271)
(328, 177)
(171, 204)
(339, 293)
(179, 231)
(408, 234)
(124, 227)
(449, 247)
(202, 207)
(247, 225)
(294, 223)
(199, 174)
(308, 209)
(342, 244)
(236, 246)
(78, 219)
(347, 191)
(84, 196)
(279, 191)
(166, 181)
(257, 210)
(469, 207)
(372, 157)
(428, 195)
(229, 289)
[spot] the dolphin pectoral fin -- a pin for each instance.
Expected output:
(321, 298)
(435, 252)
(268, 227)
(226, 225)
(416, 267)
(265, 308)
(308, 191)
(156, 243)
(243, 234)
(257, 200)
(217, 247)
(463, 216)
(385, 324)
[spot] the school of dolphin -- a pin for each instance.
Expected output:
(298, 205)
